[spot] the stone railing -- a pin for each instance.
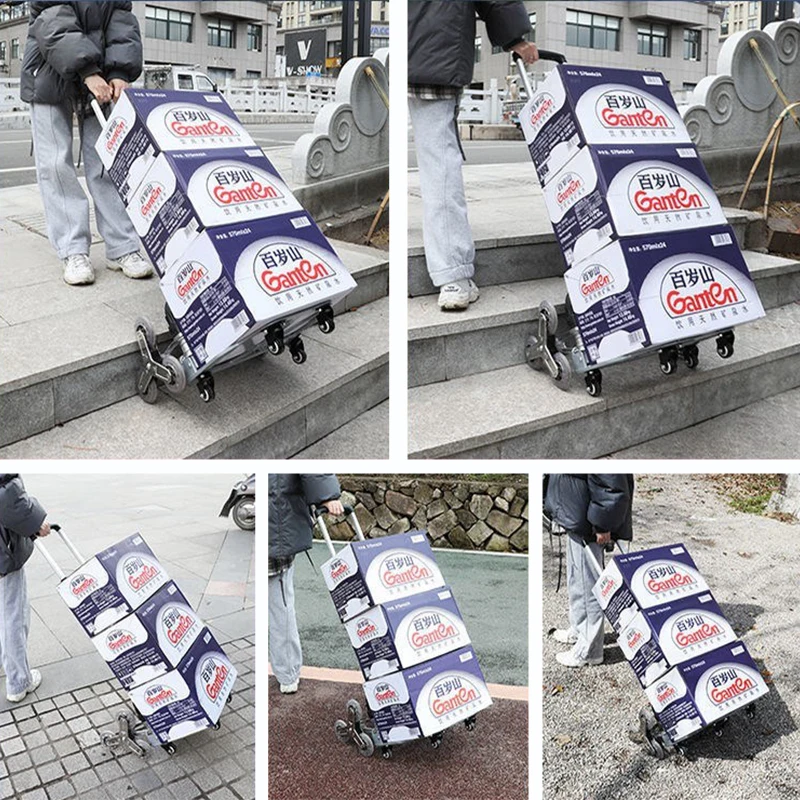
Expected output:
(254, 97)
(464, 514)
(343, 164)
(9, 95)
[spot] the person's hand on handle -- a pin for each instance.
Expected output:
(527, 51)
(117, 86)
(44, 530)
(603, 538)
(99, 88)
(334, 507)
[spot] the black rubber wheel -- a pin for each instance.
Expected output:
(548, 311)
(668, 362)
(150, 395)
(354, 710)
(327, 325)
(365, 744)
(386, 752)
(724, 349)
(691, 356)
(146, 327)
(169, 749)
(207, 394)
(342, 730)
(178, 383)
(562, 380)
(275, 346)
(594, 385)
(216, 726)
(469, 724)
(750, 711)
(243, 513)
(298, 351)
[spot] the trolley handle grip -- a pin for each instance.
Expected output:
(319, 515)
(98, 112)
(544, 55)
(40, 546)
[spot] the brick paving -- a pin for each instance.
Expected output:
(51, 749)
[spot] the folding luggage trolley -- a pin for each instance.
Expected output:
(686, 656)
(177, 676)
(651, 262)
(243, 267)
(421, 674)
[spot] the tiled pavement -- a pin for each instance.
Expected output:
(51, 749)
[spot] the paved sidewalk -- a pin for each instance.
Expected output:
(52, 750)
(210, 559)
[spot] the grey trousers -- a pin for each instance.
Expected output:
(446, 233)
(585, 615)
(285, 653)
(15, 622)
(66, 206)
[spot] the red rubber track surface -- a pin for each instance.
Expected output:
(308, 762)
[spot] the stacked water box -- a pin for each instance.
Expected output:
(235, 251)
(422, 675)
(683, 651)
(650, 257)
(178, 676)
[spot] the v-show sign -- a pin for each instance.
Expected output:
(305, 52)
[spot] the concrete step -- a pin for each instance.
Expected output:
(768, 427)
(532, 251)
(265, 408)
(492, 333)
(80, 355)
(517, 412)
(367, 436)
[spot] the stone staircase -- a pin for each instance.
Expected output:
(472, 394)
(69, 365)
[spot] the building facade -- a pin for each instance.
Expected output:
(680, 39)
(231, 39)
(314, 15)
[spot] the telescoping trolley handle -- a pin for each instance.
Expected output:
(349, 511)
(98, 112)
(40, 546)
(544, 55)
(593, 560)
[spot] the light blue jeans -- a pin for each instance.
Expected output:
(585, 615)
(285, 653)
(66, 206)
(15, 621)
(446, 233)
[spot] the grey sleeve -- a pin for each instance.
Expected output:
(63, 44)
(609, 501)
(319, 488)
(19, 511)
(123, 56)
(506, 20)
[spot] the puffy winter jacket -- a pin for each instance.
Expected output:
(441, 36)
(290, 523)
(21, 516)
(67, 42)
(586, 504)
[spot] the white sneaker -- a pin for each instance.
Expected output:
(133, 265)
(36, 679)
(569, 660)
(565, 636)
(78, 270)
(289, 688)
(457, 296)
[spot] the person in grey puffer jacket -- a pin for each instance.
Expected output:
(22, 518)
(76, 51)
(291, 528)
(595, 510)
(441, 53)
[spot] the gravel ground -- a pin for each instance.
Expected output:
(752, 565)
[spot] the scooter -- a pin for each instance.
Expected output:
(241, 504)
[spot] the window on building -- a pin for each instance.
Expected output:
(478, 46)
(14, 48)
(3, 51)
(166, 23)
(752, 24)
(376, 42)
(691, 45)
(753, 9)
(7, 13)
(253, 73)
(532, 20)
(597, 31)
(220, 74)
(221, 33)
(254, 37)
(653, 40)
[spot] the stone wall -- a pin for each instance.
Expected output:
(465, 514)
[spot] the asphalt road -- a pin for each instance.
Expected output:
(513, 152)
(16, 160)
